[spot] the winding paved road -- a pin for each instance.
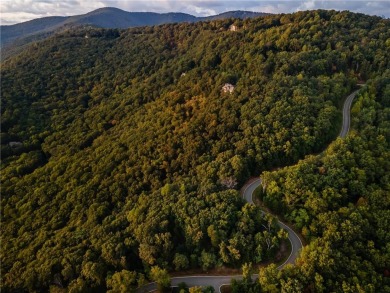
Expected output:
(249, 188)
(347, 114)
(296, 243)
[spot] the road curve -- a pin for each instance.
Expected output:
(192, 281)
(296, 243)
(347, 114)
(218, 281)
(249, 188)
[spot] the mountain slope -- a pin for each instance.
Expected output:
(117, 18)
(234, 14)
(11, 32)
(122, 151)
(14, 36)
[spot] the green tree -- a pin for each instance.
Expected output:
(161, 277)
(268, 279)
(207, 260)
(196, 289)
(180, 261)
(121, 282)
(247, 272)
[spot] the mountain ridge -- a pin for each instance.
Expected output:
(108, 17)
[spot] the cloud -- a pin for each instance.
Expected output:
(14, 11)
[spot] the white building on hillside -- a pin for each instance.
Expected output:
(228, 88)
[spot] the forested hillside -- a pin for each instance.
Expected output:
(341, 202)
(14, 38)
(121, 152)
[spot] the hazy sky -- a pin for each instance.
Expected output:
(14, 11)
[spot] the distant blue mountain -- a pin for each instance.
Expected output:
(108, 17)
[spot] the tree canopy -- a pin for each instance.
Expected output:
(340, 202)
(121, 153)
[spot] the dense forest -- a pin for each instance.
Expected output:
(340, 201)
(122, 155)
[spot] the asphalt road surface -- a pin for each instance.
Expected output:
(347, 114)
(218, 281)
(296, 243)
(249, 187)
